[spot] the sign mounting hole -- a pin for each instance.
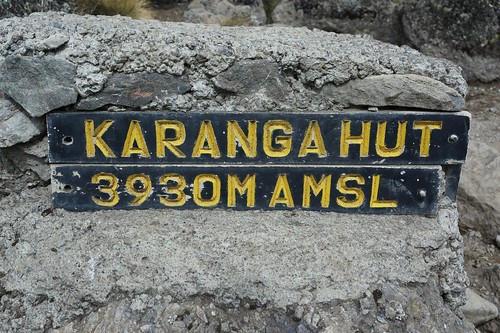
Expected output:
(67, 188)
(67, 140)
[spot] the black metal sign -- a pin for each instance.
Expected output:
(394, 138)
(357, 162)
(374, 190)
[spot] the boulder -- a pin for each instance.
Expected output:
(135, 90)
(155, 267)
(38, 85)
(15, 126)
(477, 310)
(220, 269)
(378, 18)
(225, 12)
(456, 30)
(478, 196)
(465, 32)
(408, 90)
(251, 76)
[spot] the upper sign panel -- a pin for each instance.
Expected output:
(391, 138)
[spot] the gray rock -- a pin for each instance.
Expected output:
(225, 12)
(38, 148)
(479, 191)
(378, 18)
(109, 254)
(306, 59)
(251, 76)
(479, 199)
(470, 26)
(150, 270)
(135, 90)
(89, 79)
(15, 126)
(477, 310)
(54, 42)
(30, 158)
(424, 302)
(483, 68)
(38, 85)
(407, 90)
(465, 32)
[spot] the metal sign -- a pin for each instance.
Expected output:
(378, 190)
(394, 138)
(360, 162)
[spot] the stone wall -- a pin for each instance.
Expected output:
(201, 270)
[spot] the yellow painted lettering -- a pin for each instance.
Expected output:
(426, 126)
(141, 192)
(342, 187)
(247, 142)
(380, 144)
(206, 143)
(313, 135)
(177, 190)
(375, 202)
(134, 142)
(109, 189)
(161, 126)
(282, 193)
(346, 139)
(199, 184)
(284, 142)
(93, 138)
(248, 186)
(324, 185)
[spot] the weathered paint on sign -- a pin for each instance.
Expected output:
(390, 138)
(349, 189)
(356, 162)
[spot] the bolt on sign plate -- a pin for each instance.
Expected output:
(358, 162)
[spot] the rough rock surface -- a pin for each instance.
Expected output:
(477, 310)
(305, 60)
(38, 85)
(466, 32)
(296, 270)
(15, 126)
(396, 90)
(458, 30)
(378, 18)
(254, 76)
(482, 261)
(226, 12)
(479, 217)
(135, 90)
(384, 308)
(85, 261)
(479, 196)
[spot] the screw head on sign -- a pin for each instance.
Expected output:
(453, 138)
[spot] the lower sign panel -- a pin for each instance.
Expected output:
(369, 190)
